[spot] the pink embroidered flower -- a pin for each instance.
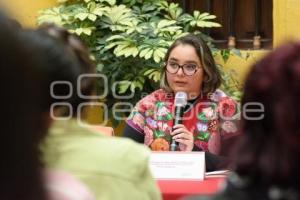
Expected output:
(214, 143)
(160, 144)
(162, 111)
(168, 105)
(209, 112)
(148, 136)
(167, 129)
(163, 126)
(160, 95)
(226, 107)
(148, 103)
(229, 127)
(138, 119)
(159, 125)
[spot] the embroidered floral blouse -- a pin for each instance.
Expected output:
(211, 119)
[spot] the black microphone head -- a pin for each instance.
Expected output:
(180, 99)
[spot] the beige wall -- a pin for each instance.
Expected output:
(242, 65)
(286, 17)
(25, 11)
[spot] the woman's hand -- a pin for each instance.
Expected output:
(184, 137)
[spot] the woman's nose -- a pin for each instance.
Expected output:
(180, 72)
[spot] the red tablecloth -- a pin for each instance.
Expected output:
(172, 190)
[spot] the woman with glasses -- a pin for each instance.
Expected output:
(209, 116)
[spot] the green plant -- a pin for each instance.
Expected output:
(230, 84)
(127, 38)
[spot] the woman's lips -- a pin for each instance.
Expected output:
(180, 83)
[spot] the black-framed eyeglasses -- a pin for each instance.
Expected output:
(188, 69)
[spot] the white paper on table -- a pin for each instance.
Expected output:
(178, 165)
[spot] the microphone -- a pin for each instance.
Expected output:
(180, 102)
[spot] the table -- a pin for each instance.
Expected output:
(172, 190)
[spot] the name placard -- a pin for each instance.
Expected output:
(178, 165)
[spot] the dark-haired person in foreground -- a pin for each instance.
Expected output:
(23, 127)
(267, 157)
(209, 121)
(20, 164)
(112, 168)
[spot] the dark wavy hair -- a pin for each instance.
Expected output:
(22, 124)
(212, 78)
(270, 148)
(62, 57)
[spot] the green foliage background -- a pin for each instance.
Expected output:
(129, 38)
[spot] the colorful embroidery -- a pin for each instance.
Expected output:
(217, 95)
(148, 136)
(151, 123)
(209, 113)
(164, 127)
(213, 126)
(203, 136)
(162, 112)
(202, 126)
(227, 107)
(138, 119)
(201, 116)
(229, 127)
(160, 144)
(153, 116)
(149, 113)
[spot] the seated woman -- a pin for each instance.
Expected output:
(23, 127)
(112, 168)
(209, 119)
(267, 157)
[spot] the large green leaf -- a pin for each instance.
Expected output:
(123, 86)
(174, 11)
(119, 14)
(203, 20)
(52, 15)
(159, 54)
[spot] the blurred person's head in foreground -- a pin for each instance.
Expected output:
(63, 59)
(269, 152)
(22, 124)
(267, 156)
(30, 61)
